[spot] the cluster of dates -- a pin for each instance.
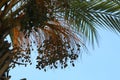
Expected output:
(56, 53)
(21, 57)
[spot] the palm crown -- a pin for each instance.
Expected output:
(56, 27)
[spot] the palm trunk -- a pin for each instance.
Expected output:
(5, 59)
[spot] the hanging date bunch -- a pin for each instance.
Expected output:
(55, 53)
(59, 47)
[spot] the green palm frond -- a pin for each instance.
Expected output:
(86, 16)
(107, 15)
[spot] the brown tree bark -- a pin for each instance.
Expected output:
(5, 59)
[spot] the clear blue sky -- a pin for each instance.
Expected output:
(103, 63)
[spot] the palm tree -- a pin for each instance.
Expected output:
(57, 28)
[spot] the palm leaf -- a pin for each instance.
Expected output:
(88, 16)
